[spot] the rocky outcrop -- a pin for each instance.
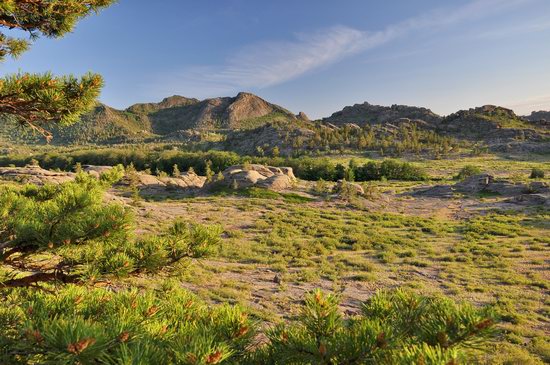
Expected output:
(486, 183)
(145, 183)
(245, 176)
(475, 184)
(540, 118)
(150, 185)
(35, 175)
(96, 171)
(303, 117)
(530, 200)
(368, 114)
(167, 103)
(267, 137)
(242, 111)
(247, 106)
(489, 123)
(342, 185)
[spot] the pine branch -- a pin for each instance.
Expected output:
(39, 278)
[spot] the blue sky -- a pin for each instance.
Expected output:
(315, 56)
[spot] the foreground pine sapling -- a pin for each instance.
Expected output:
(395, 328)
(85, 237)
(76, 325)
(172, 326)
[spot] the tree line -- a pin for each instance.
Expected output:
(306, 168)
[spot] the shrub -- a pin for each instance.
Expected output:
(209, 163)
(90, 237)
(468, 171)
(81, 326)
(394, 328)
(172, 326)
(537, 173)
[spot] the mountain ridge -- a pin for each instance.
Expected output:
(249, 123)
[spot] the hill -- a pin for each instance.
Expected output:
(153, 121)
(369, 114)
(492, 124)
(248, 124)
(243, 111)
(538, 116)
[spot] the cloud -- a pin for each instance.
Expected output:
(271, 63)
(274, 62)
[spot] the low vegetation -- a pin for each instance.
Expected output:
(306, 168)
(89, 238)
(172, 326)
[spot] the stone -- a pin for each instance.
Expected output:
(288, 172)
(303, 116)
(538, 187)
(245, 179)
(277, 279)
(32, 174)
(358, 189)
(474, 184)
(530, 199)
(486, 183)
(437, 191)
(98, 169)
(269, 177)
(276, 182)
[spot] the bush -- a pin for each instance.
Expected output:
(537, 173)
(91, 238)
(394, 328)
(209, 163)
(391, 170)
(81, 326)
(99, 326)
(468, 171)
(35, 219)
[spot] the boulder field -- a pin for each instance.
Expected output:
(239, 176)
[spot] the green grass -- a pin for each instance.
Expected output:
(485, 256)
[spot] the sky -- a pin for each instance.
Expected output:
(315, 56)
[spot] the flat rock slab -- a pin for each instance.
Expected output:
(35, 175)
(485, 183)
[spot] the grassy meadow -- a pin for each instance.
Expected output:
(276, 247)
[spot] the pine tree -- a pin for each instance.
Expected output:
(91, 238)
(36, 100)
(176, 171)
(208, 171)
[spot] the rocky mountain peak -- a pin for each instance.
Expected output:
(177, 100)
(303, 116)
(246, 106)
(366, 113)
(166, 103)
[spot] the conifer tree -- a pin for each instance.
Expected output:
(37, 100)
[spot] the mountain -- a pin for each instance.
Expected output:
(491, 124)
(171, 116)
(241, 112)
(102, 125)
(540, 116)
(369, 114)
(248, 124)
(167, 103)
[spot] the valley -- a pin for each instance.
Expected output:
(373, 201)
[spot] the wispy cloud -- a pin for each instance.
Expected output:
(274, 62)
